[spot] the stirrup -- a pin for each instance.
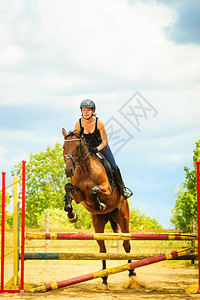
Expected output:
(127, 193)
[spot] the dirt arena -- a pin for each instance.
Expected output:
(163, 280)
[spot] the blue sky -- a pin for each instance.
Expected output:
(138, 60)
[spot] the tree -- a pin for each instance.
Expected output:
(45, 180)
(139, 220)
(9, 222)
(58, 218)
(186, 196)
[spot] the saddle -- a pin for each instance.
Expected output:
(107, 167)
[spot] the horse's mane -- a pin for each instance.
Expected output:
(71, 133)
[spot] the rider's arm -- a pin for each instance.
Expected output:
(102, 130)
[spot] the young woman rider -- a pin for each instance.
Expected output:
(92, 129)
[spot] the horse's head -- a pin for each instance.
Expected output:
(72, 152)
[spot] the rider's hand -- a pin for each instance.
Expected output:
(92, 149)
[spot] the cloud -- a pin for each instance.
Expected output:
(64, 55)
(185, 28)
(54, 54)
(18, 144)
(3, 152)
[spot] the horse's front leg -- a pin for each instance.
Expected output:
(72, 216)
(95, 190)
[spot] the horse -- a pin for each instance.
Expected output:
(90, 186)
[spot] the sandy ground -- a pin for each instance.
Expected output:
(159, 281)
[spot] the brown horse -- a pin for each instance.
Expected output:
(90, 186)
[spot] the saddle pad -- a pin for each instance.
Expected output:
(107, 167)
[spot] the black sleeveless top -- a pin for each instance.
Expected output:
(94, 138)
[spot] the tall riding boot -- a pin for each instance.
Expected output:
(124, 191)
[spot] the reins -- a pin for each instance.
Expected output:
(80, 155)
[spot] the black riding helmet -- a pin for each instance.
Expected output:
(88, 103)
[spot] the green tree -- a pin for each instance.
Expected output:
(139, 220)
(9, 222)
(58, 218)
(186, 196)
(45, 180)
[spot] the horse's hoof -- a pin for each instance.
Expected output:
(68, 207)
(95, 190)
(102, 206)
(73, 219)
(133, 274)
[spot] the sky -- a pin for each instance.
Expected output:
(139, 61)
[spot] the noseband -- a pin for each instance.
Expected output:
(70, 156)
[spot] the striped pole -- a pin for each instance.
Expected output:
(23, 224)
(98, 256)
(110, 271)
(11, 284)
(108, 236)
(15, 232)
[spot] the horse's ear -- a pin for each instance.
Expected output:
(64, 133)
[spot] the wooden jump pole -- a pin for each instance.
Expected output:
(109, 236)
(3, 231)
(196, 287)
(15, 231)
(97, 256)
(110, 271)
(10, 286)
(23, 224)
(14, 282)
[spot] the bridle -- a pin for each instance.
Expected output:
(70, 156)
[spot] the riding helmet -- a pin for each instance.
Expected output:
(88, 103)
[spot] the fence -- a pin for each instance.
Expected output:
(47, 246)
(15, 284)
(114, 246)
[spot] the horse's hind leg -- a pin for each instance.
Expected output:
(99, 222)
(68, 203)
(95, 198)
(124, 225)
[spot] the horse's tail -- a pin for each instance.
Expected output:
(115, 226)
(114, 220)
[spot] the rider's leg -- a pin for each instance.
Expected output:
(106, 151)
(126, 193)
